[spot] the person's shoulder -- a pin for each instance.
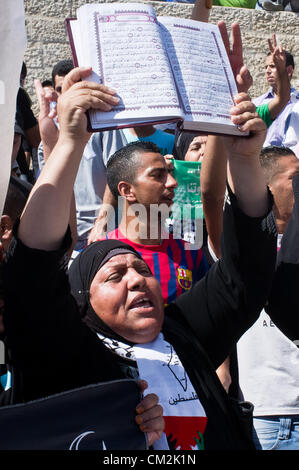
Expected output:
(117, 235)
(106, 137)
(113, 235)
(95, 140)
(165, 135)
(294, 95)
(182, 244)
(261, 99)
(294, 92)
(115, 135)
(294, 110)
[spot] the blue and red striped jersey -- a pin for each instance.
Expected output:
(175, 267)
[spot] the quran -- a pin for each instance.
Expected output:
(163, 69)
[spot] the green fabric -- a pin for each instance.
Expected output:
(187, 199)
(263, 111)
(235, 3)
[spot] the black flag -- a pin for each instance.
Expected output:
(96, 417)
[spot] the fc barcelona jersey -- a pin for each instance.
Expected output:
(175, 267)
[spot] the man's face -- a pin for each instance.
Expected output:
(127, 297)
(271, 71)
(281, 185)
(154, 183)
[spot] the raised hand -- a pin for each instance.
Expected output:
(244, 115)
(78, 96)
(245, 175)
(235, 54)
(278, 54)
(47, 127)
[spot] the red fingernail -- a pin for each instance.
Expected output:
(139, 419)
(139, 410)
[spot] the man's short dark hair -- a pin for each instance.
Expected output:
(62, 68)
(16, 197)
(123, 164)
(269, 158)
(289, 59)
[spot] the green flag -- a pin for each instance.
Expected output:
(187, 199)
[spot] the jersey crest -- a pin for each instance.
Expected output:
(184, 278)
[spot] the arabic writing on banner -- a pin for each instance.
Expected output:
(187, 200)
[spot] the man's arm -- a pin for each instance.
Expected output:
(201, 10)
(99, 230)
(212, 186)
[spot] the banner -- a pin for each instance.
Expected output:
(13, 45)
(187, 200)
(96, 417)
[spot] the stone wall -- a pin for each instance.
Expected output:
(47, 39)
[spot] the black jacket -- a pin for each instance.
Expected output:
(52, 350)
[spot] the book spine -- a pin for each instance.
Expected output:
(71, 40)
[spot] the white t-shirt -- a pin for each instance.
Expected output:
(269, 368)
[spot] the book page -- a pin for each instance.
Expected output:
(202, 70)
(127, 54)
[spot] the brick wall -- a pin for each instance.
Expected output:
(47, 40)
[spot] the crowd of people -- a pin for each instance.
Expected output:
(86, 261)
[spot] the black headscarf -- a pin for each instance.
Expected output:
(182, 141)
(81, 273)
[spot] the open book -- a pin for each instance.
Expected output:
(163, 69)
